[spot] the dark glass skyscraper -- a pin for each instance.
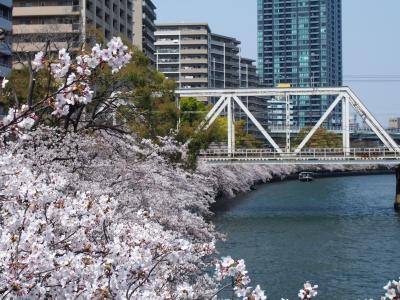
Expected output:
(300, 43)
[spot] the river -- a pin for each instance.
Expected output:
(340, 233)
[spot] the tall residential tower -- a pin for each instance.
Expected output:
(300, 43)
(144, 27)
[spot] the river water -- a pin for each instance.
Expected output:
(340, 233)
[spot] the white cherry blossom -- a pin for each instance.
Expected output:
(38, 61)
(309, 291)
(4, 83)
(392, 290)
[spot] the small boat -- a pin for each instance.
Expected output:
(306, 176)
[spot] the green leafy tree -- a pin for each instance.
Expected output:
(322, 138)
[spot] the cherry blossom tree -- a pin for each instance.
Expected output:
(235, 273)
(66, 234)
(101, 214)
(71, 85)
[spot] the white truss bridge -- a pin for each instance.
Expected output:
(229, 99)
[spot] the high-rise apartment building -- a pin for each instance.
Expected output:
(66, 22)
(195, 57)
(225, 61)
(300, 43)
(5, 44)
(182, 53)
(144, 27)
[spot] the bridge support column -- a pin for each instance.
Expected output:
(397, 202)
(231, 128)
(346, 125)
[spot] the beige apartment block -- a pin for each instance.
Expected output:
(195, 57)
(144, 27)
(182, 53)
(394, 123)
(66, 23)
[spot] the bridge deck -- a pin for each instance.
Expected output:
(373, 156)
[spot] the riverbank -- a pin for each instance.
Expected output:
(232, 180)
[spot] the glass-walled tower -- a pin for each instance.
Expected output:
(300, 43)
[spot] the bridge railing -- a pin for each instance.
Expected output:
(336, 129)
(305, 154)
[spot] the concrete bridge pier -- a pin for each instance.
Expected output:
(397, 202)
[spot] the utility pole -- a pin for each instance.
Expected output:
(178, 107)
(288, 123)
(231, 129)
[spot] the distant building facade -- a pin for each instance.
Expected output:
(394, 123)
(300, 43)
(195, 57)
(258, 106)
(144, 27)
(66, 23)
(277, 113)
(182, 53)
(225, 61)
(5, 45)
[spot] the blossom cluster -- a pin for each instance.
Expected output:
(236, 271)
(57, 245)
(74, 76)
(20, 119)
(58, 241)
(392, 290)
(309, 291)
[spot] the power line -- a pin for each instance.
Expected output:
(373, 80)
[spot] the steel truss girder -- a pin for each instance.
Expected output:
(261, 92)
(319, 123)
(344, 94)
(372, 122)
(257, 124)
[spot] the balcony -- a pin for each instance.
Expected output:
(168, 70)
(167, 33)
(36, 47)
(45, 11)
(167, 51)
(46, 28)
(194, 32)
(194, 70)
(194, 51)
(168, 61)
(166, 42)
(194, 80)
(194, 61)
(194, 42)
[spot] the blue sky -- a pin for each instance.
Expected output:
(371, 40)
